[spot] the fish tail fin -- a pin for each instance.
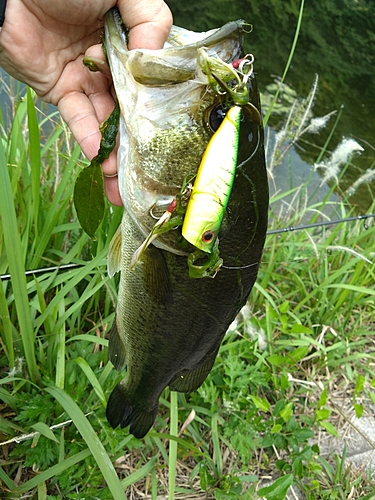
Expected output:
(121, 411)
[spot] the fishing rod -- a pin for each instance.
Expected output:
(319, 224)
(70, 267)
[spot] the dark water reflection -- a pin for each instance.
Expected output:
(337, 42)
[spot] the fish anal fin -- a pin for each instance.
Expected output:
(116, 348)
(121, 411)
(189, 381)
(115, 253)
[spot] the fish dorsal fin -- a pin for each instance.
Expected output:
(115, 253)
(189, 381)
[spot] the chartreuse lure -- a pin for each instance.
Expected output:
(213, 184)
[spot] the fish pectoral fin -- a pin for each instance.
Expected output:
(115, 253)
(116, 348)
(122, 411)
(191, 380)
(156, 276)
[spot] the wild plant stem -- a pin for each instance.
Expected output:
(173, 445)
(290, 58)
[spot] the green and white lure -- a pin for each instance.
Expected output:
(213, 184)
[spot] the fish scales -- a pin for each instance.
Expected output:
(168, 326)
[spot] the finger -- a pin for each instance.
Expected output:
(84, 101)
(149, 21)
(95, 53)
(83, 117)
(111, 183)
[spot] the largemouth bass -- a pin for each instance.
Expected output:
(169, 326)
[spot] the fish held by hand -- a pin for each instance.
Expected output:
(169, 326)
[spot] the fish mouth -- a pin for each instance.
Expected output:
(157, 67)
(163, 97)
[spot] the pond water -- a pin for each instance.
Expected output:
(337, 43)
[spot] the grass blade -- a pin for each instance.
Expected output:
(96, 447)
(173, 445)
(6, 479)
(139, 474)
(16, 266)
(290, 58)
(216, 444)
(53, 471)
(87, 370)
(6, 327)
(35, 158)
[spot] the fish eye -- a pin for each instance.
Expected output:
(208, 236)
(216, 115)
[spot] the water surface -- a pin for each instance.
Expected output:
(337, 42)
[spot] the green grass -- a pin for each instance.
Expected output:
(308, 333)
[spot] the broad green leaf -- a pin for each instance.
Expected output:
(260, 403)
(284, 307)
(287, 412)
(329, 428)
(277, 490)
(322, 414)
(298, 467)
(276, 360)
(358, 410)
(360, 384)
(303, 434)
(299, 353)
(89, 197)
(89, 186)
(296, 328)
(323, 398)
(276, 428)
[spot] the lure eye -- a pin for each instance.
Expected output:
(215, 117)
(208, 236)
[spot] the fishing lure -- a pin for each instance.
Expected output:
(213, 184)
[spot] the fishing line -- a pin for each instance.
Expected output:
(51, 269)
(319, 224)
(70, 267)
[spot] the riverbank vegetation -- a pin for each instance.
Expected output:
(294, 368)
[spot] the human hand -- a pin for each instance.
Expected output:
(43, 42)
